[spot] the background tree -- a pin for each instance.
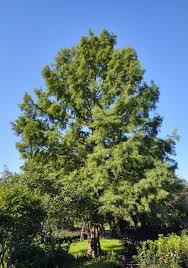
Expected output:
(95, 125)
(6, 173)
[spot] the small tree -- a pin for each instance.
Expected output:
(21, 216)
(95, 124)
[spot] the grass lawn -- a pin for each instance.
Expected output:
(80, 247)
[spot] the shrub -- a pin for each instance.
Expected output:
(44, 255)
(170, 251)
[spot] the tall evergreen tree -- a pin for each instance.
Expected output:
(96, 124)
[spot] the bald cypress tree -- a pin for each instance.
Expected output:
(95, 123)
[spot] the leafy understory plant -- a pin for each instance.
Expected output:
(170, 251)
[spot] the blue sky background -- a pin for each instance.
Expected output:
(31, 33)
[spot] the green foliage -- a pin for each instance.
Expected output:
(95, 125)
(171, 251)
(45, 255)
(90, 141)
(23, 214)
(21, 217)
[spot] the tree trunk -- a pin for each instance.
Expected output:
(2, 253)
(82, 234)
(94, 248)
(45, 228)
(113, 229)
(9, 263)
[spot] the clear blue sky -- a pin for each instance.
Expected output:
(31, 33)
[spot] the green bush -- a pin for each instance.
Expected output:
(170, 251)
(44, 255)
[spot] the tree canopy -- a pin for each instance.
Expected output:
(95, 126)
